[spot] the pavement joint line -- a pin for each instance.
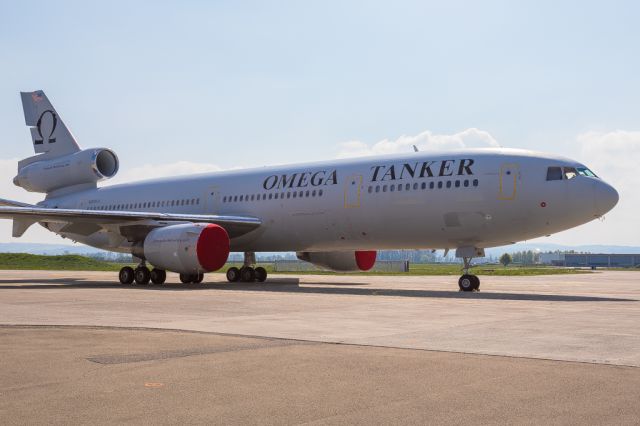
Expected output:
(309, 341)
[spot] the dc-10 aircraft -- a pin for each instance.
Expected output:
(333, 214)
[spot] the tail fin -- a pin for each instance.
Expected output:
(49, 134)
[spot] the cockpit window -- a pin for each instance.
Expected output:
(554, 173)
(570, 172)
(583, 171)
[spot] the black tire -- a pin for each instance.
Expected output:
(126, 275)
(142, 275)
(247, 274)
(198, 278)
(186, 278)
(233, 274)
(261, 274)
(476, 283)
(466, 282)
(158, 276)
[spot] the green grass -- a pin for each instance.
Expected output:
(69, 262)
(23, 261)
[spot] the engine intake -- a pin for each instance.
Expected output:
(187, 248)
(341, 261)
(83, 167)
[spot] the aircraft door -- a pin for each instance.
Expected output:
(212, 200)
(509, 178)
(352, 189)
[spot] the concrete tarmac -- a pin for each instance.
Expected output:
(413, 350)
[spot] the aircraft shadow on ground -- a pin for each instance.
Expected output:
(292, 285)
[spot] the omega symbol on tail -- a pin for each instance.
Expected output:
(53, 123)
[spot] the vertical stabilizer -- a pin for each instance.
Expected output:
(49, 134)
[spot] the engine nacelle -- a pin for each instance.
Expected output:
(83, 167)
(187, 248)
(342, 261)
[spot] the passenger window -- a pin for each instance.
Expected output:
(448, 184)
(466, 183)
(424, 185)
(554, 173)
(570, 172)
(475, 182)
(457, 184)
(377, 188)
(439, 185)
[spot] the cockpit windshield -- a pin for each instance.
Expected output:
(567, 173)
(583, 171)
(570, 172)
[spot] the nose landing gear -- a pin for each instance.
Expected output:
(468, 282)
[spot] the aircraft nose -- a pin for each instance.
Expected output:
(606, 197)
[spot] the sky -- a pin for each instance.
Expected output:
(190, 86)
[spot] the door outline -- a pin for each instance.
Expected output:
(212, 200)
(350, 192)
(509, 173)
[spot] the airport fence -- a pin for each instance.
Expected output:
(301, 266)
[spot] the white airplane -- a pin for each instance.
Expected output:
(333, 214)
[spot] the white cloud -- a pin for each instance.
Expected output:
(425, 141)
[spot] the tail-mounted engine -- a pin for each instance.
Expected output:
(83, 167)
(343, 261)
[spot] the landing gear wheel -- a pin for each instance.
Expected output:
(233, 274)
(187, 278)
(198, 278)
(247, 274)
(142, 275)
(261, 274)
(126, 275)
(467, 282)
(158, 276)
(476, 283)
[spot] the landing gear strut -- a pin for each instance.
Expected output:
(247, 273)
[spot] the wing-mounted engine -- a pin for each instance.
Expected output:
(342, 261)
(188, 248)
(86, 167)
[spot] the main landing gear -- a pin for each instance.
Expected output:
(142, 275)
(247, 273)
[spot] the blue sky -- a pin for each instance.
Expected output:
(232, 84)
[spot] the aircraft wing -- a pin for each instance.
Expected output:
(136, 224)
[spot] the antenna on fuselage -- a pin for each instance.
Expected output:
(415, 149)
